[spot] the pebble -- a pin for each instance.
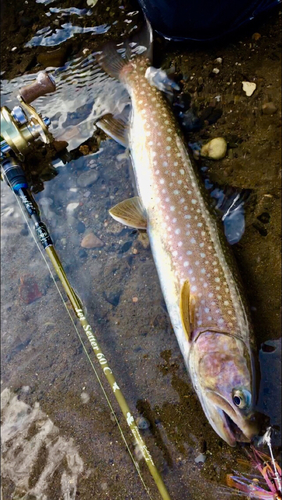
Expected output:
(55, 57)
(200, 459)
(126, 246)
(142, 423)
(87, 178)
(72, 206)
(113, 298)
(269, 108)
(80, 227)
(215, 70)
(91, 241)
(256, 36)
(84, 397)
(82, 254)
(249, 88)
(215, 149)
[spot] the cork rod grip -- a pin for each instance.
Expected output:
(44, 84)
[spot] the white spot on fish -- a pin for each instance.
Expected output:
(193, 240)
(161, 181)
(193, 201)
(180, 243)
(217, 279)
(202, 255)
(176, 191)
(181, 171)
(168, 148)
(165, 164)
(189, 252)
(186, 264)
(177, 231)
(172, 208)
(193, 288)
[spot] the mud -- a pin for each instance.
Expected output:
(44, 365)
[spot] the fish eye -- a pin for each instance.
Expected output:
(241, 398)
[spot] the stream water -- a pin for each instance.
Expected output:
(60, 439)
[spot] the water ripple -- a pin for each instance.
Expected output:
(49, 38)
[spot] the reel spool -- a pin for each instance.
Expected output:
(23, 125)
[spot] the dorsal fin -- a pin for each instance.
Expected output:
(130, 212)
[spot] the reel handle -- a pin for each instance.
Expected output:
(44, 84)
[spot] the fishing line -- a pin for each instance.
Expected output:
(136, 465)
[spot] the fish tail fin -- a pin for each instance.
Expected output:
(113, 57)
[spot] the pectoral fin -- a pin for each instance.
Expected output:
(187, 309)
(130, 212)
(116, 128)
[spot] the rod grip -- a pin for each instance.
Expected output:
(44, 84)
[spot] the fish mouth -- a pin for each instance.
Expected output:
(233, 433)
(229, 424)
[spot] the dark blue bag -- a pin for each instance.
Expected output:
(201, 20)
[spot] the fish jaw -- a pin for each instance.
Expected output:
(220, 366)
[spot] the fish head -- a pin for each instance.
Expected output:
(222, 372)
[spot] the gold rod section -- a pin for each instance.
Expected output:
(54, 258)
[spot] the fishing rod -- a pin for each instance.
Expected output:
(19, 131)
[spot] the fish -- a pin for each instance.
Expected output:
(197, 273)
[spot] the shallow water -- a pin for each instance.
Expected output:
(60, 439)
